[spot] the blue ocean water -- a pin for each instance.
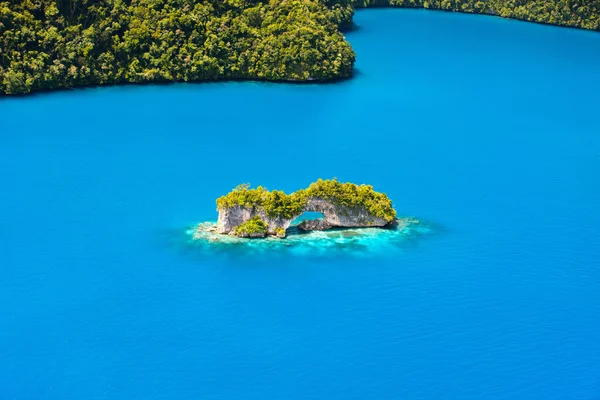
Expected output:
(484, 129)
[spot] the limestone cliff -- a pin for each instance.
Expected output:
(344, 216)
(314, 225)
(232, 217)
(342, 205)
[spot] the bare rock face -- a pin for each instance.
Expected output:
(230, 218)
(315, 225)
(345, 217)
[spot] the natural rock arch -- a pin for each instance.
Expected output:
(342, 205)
(334, 214)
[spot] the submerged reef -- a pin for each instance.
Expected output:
(254, 213)
(334, 242)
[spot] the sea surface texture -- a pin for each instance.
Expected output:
(485, 130)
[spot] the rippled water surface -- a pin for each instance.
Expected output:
(485, 130)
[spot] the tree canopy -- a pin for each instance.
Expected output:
(279, 204)
(52, 44)
(576, 13)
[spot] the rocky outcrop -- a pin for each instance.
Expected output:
(245, 211)
(229, 218)
(342, 216)
(252, 235)
(314, 225)
(335, 215)
(232, 217)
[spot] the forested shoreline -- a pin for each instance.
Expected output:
(574, 13)
(53, 44)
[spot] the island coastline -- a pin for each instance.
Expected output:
(258, 213)
(64, 44)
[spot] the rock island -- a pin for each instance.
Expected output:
(257, 213)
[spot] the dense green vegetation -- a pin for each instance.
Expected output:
(51, 44)
(275, 203)
(352, 195)
(278, 204)
(576, 13)
(254, 226)
(243, 195)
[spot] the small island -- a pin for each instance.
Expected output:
(258, 213)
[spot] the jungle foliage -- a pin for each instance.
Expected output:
(575, 13)
(52, 44)
(251, 227)
(353, 195)
(275, 203)
(278, 204)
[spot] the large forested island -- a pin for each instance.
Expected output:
(246, 212)
(52, 44)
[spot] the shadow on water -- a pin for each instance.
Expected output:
(351, 28)
(356, 72)
(78, 89)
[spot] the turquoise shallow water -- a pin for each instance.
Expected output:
(333, 243)
(486, 130)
